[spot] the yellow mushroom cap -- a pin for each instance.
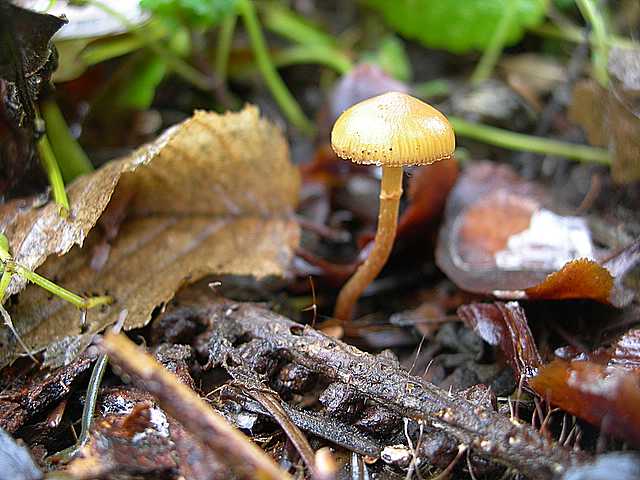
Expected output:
(392, 130)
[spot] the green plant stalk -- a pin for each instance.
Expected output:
(48, 160)
(528, 143)
(91, 400)
(93, 388)
(492, 53)
(314, 54)
(578, 35)
(112, 47)
(180, 67)
(288, 24)
(11, 267)
(431, 88)
(600, 53)
(70, 156)
(279, 90)
(223, 50)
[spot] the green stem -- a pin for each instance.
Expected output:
(578, 35)
(72, 160)
(289, 24)
(179, 66)
(528, 143)
(492, 53)
(317, 54)
(48, 160)
(225, 39)
(76, 300)
(279, 90)
(600, 51)
(91, 401)
(10, 266)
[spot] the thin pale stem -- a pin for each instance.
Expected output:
(390, 193)
(528, 143)
(278, 88)
(492, 53)
(592, 14)
(225, 39)
(76, 300)
(70, 156)
(50, 166)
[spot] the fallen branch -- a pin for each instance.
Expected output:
(484, 431)
(190, 410)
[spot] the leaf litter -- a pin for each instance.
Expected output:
(214, 194)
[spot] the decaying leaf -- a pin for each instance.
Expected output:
(505, 325)
(212, 195)
(607, 397)
(501, 238)
(499, 233)
(580, 278)
(611, 117)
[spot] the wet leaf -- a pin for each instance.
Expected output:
(580, 278)
(458, 25)
(212, 195)
(607, 397)
(25, 41)
(625, 352)
(21, 405)
(500, 236)
(505, 325)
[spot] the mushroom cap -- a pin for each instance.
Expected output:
(392, 130)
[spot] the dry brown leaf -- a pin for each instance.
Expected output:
(611, 118)
(211, 196)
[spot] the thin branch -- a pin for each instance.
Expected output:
(182, 403)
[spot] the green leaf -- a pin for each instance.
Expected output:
(392, 57)
(457, 25)
(195, 13)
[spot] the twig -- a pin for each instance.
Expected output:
(322, 426)
(384, 383)
(179, 401)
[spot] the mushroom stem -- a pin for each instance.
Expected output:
(390, 193)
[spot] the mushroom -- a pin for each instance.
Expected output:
(392, 130)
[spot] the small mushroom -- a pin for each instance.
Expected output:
(392, 130)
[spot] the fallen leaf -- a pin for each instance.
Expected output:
(611, 117)
(580, 278)
(505, 325)
(606, 397)
(500, 235)
(212, 195)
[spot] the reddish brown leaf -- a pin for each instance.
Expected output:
(505, 325)
(607, 397)
(500, 236)
(580, 278)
